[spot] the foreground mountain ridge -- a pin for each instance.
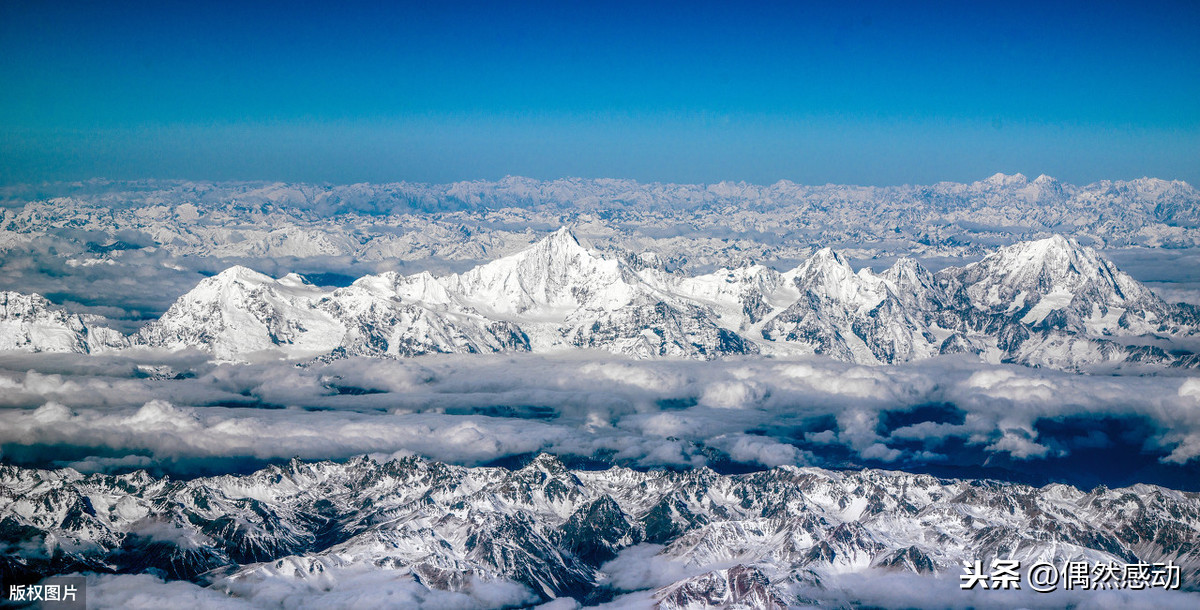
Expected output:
(765, 538)
(1050, 302)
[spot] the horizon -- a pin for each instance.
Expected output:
(511, 177)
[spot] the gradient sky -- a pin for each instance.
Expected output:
(867, 93)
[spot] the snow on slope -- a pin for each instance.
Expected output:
(548, 281)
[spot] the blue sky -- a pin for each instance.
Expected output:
(867, 93)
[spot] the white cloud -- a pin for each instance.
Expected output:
(143, 591)
(1019, 444)
(642, 567)
(1190, 387)
(471, 410)
(760, 450)
(337, 587)
(366, 586)
(732, 395)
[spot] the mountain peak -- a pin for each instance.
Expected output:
(558, 248)
(564, 233)
(546, 462)
(908, 273)
(1059, 280)
(240, 273)
(1056, 243)
(1056, 255)
(828, 263)
(828, 256)
(1001, 179)
(30, 322)
(241, 311)
(549, 277)
(907, 265)
(295, 280)
(1060, 241)
(562, 240)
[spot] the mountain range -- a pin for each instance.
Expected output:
(1050, 302)
(695, 538)
(694, 226)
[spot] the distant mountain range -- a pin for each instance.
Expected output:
(758, 540)
(1050, 302)
(698, 226)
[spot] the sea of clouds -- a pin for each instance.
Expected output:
(182, 415)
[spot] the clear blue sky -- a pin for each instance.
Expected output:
(867, 93)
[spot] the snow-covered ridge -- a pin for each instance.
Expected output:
(1050, 302)
(556, 531)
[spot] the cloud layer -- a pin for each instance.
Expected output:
(184, 415)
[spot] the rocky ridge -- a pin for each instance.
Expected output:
(753, 539)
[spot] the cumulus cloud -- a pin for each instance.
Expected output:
(104, 464)
(1019, 444)
(760, 450)
(1190, 388)
(151, 410)
(733, 395)
(169, 432)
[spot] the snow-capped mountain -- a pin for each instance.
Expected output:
(395, 315)
(1055, 303)
(752, 539)
(1056, 283)
(564, 295)
(736, 587)
(552, 279)
(240, 312)
(856, 317)
(1050, 302)
(32, 323)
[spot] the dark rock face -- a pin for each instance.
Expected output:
(596, 532)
